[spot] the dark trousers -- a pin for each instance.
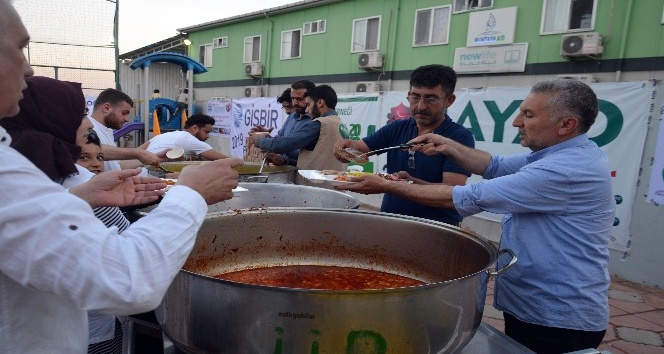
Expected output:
(550, 340)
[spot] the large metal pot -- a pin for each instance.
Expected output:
(202, 314)
(248, 171)
(279, 195)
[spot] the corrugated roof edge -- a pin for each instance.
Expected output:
(256, 14)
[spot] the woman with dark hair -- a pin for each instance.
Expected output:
(51, 132)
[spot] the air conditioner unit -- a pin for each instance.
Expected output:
(253, 91)
(253, 69)
(367, 87)
(580, 44)
(585, 78)
(370, 60)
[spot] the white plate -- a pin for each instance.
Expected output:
(316, 176)
(235, 190)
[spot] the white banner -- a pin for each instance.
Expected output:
(248, 112)
(656, 186)
(221, 111)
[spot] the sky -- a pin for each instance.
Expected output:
(143, 22)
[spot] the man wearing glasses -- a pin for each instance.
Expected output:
(431, 92)
(293, 102)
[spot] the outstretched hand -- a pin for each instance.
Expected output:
(120, 188)
(429, 144)
(213, 180)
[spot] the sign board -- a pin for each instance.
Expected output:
(498, 59)
(491, 27)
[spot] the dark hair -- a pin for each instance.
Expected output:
(432, 75)
(186, 91)
(199, 120)
(92, 137)
(303, 84)
(285, 96)
(570, 97)
(324, 92)
(156, 90)
(112, 96)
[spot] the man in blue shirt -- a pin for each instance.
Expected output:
(559, 212)
(431, 92)
(315, 138)
(279, 152)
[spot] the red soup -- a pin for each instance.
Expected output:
(320, 277)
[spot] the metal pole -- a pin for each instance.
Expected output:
(117, 47)
(146, 106)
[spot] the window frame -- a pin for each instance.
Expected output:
(223, 40)
(244, 49)
(299, 49)
(432, 11)
(310, 23)
(205, 54)
(466, 7)
(352, 45)
(568, 17)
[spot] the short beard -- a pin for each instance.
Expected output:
(108, 123)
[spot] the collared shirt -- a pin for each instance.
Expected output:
(559, 214)
(191, 145)
(293, 122)
(57, 260)
(305, 137)
(427, 168)
(106, 137)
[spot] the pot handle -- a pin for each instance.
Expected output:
(507, 266)
(259, 179)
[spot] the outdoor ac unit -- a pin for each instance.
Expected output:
(367, 87)
(585, 78)
(253, 91)
(253, 69)
(580, 44)
(370, 60)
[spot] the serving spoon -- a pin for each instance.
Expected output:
(357, 156)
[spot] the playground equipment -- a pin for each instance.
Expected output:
(189, 67)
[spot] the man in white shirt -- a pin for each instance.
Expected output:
(111, 111)
(57, 260)
(183, 101)
(192, 139)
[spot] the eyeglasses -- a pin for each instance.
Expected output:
(430, 101)
(411, 159)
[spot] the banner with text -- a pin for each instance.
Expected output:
(248, 112)
(221, 111)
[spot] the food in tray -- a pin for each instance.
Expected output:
(168, 181)
(345, 176)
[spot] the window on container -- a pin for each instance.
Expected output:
(466, 5)
(221, 42)
(290, 44)
(366, 34)
(252, 49)
(432, 26)
(313, 27)
(567, 15)
(205, 55)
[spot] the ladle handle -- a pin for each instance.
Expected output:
(507, 266)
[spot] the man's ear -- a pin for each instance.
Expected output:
(568, 125)
(107, 107)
